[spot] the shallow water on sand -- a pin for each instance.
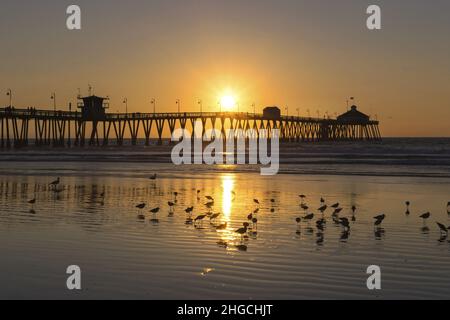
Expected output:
(123, 257)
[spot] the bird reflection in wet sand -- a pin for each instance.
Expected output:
(320, 238)
(353, 213)
(379, 233)
(298, 221)
(425, 230)
(171, 208)
(408, 203)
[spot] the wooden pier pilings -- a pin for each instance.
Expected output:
(67, 129)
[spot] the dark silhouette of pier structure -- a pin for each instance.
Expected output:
(92, 125)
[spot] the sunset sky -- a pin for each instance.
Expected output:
(301, 54)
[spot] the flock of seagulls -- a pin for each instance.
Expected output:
(250, 227)
(345, 222)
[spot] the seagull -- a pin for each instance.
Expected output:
(304, 207)
(141, 206)
(337, 211)
(407, 206)
(242, 247)
(33, 201)
(272, 200)
(353, 209)
(55, 183)
(171, 204)
(442, 228)
(298, 220)
(256, 201)
(309, 216)
(243, 230)
(323, 208)
(322, 200)
(153, 177)
(209, 205)
(425, 216)
(320, 224)
(302, 196)
(209, 198)
(250, 216)
(336, 205)
(345, 223)
(255, 223)
(214, 216)
(379, 219)
(200, 217)
(155, 210)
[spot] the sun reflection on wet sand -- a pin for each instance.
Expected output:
(227, 195)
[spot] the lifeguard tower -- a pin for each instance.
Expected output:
(93, 108)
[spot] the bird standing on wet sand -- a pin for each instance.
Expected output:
(320, 224)
(443, 228)
(255, 223)
(256, 201)
(155, 210)
(335, 206)
(209, 198)
(153, 177)
(425, 216)
(171, 206)
(345, 223)
(141, 206)
(322, 209)
(337, 211)
(379, 219)
(32, 201)
(55, 183)
(189, 210)
(200, 218)
(243, 230)
(309, 216)
(214, 216)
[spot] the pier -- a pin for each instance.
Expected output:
(93, 126)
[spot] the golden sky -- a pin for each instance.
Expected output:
(310, 55)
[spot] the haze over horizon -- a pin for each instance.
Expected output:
(311, 55)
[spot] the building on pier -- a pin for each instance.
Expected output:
(93, 108)
(353, 116)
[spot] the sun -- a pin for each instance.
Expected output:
(228, 102)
